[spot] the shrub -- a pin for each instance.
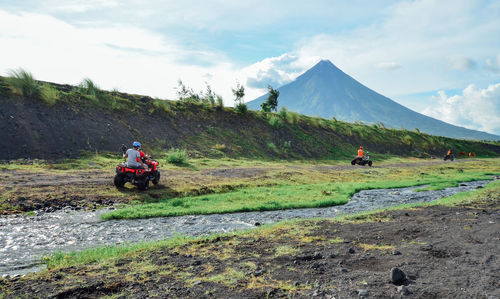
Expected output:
(241, 108)
(23, 83)
(220, 101)
(283, 113)
(49, 94)
(272, 147)
(220, 147)
(176, 156)
(88, 87)
(274, 121)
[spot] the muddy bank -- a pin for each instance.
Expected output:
(441, 252)
(24, 239)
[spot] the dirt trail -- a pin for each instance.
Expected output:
(99, 177)
(47, 190)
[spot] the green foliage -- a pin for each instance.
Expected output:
(284, 113)
(220, 101)
(239, 93)
(88, 87)
(271, 102)
(23, 83)
(241, 108)
(49, 94)
(265, 107)
(272, 147)
(274, 121)
(272, 198)
(176, 156)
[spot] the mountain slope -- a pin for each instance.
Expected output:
(326, 91)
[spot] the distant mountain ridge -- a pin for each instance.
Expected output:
(326, 91)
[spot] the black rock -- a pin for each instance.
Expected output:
(351, 250)
(257, 224)
(397, 276)
(395, 252)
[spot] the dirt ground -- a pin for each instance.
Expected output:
(444, 252)
(25, 191)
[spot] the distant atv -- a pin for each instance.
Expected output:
(365, 160)
(138, 175)
(449, 157)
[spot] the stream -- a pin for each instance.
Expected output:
(25, 239)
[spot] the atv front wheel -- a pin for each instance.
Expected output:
(143, 184)
(353, 162)
(156, 180)
(370, 163)
(119, 181)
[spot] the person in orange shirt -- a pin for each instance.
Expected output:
(361, 153)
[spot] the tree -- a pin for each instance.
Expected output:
(239, 93)
(272, 100)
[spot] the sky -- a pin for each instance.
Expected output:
(440, 58)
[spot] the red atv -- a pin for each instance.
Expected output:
(138, 175)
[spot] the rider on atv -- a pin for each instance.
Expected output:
(133, 156)
(361, 153)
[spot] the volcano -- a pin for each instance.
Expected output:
(326, 91)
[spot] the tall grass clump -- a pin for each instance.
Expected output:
(176, 156)
(89, 88)
(23, 83)
(241, 108)
(49, 94)
(274, 122)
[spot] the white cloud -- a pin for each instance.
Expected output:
(493, 65)
(389, 66)
(80, 6)
(475, 108)
(124, 57)
(417, 35)
(460, 63)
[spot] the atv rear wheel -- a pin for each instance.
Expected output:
(119, 181)
(143, 184)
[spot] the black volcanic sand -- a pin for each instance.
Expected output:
(443, 252)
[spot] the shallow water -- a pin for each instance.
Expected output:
(24, 239)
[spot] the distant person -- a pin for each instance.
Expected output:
(449, 152)
(361, 153)
(133, 156)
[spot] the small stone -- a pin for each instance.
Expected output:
(197, 282)
(403, 290)
(397, 276)
(317, 256)
(406, 214)
(196, 263)
(395, 252)
(333, 255)
(362, 293)
(259, 272)
(351, 250)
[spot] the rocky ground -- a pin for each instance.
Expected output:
(433, 252)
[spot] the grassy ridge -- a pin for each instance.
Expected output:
(208, 130)
(281, 197)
